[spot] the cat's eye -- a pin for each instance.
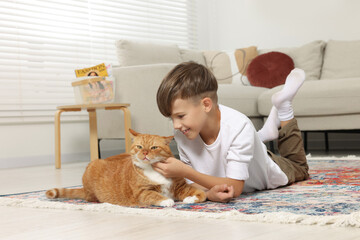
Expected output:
(139, 147)
(154, 147)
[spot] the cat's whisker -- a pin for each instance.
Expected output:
(156, 160)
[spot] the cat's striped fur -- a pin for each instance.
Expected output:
(129, 179)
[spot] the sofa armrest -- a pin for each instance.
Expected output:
(136, 85)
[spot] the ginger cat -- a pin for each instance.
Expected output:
(129, 179)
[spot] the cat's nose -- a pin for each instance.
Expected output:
(145, 152)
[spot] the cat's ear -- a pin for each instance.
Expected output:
(133, 133)
(168, 139)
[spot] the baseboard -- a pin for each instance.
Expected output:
(50, 159)
(316, 142)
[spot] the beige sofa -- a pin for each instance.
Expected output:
(328, 100)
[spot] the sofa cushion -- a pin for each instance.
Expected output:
(320, 98)
(308, 57)
(242, 98)
(138, 86)
(341, 60)
(192, 55)
(131, 53)
(269, 69)
(230, 66)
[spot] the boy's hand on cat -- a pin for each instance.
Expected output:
(170, 168)
(220, 193)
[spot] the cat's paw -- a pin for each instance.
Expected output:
(167, 203)
(191, 199)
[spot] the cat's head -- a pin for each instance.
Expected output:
(149, 149)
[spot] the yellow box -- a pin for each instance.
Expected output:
(90, 90)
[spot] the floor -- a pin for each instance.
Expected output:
(29, 223)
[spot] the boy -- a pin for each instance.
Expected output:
(219, 148)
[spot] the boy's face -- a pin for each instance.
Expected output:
(188, 117)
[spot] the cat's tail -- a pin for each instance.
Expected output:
(65, 193)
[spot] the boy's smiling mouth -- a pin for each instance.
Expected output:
(185, 131)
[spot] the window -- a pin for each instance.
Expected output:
(43, 42)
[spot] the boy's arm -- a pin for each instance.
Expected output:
(219, 193)
(173, 167)
(208, 182)
(199, 186)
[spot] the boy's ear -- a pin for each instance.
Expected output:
(168, 139)
(207, 104)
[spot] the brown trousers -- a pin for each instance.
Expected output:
(292, 160)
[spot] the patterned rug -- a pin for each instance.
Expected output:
(331, 196)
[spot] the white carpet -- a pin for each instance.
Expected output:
(350, 220)
(349, 157)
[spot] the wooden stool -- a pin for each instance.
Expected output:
(91, 108)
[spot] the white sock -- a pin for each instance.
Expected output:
(270, 130)
(282, 100)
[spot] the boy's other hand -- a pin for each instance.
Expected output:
(220, 193)
(170, 168)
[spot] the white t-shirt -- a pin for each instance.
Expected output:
(237, 153)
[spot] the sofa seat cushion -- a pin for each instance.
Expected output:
(320, 98)
(241, 98)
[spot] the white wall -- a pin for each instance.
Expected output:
(229, 24)
(33, 144)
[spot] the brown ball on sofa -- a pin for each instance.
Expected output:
(270, 69)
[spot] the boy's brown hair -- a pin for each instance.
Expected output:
(186, 80)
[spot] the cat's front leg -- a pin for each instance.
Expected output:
(167, 203)
(187, 193)
(191, 199)
(197, 197)
(151, 197)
